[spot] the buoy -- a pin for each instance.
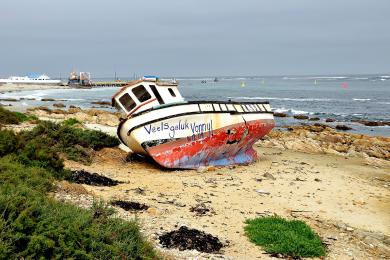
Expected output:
(315, 82)
(242, 84)
(344, 85)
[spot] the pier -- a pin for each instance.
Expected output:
(102, 84)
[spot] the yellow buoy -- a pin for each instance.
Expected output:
(242, 84)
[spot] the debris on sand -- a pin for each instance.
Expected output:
(130, 205)
(189, 239)
(84, 177)
(201, 210)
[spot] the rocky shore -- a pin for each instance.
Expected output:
(324, 139)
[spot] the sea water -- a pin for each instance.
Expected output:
(343, 98)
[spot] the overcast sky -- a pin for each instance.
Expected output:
(194, 38)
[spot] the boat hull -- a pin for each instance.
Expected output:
(191, 135)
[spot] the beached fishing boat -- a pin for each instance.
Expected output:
(188, 134)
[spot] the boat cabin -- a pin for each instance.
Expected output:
(146, 93)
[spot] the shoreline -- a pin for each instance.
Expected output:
(26, 87)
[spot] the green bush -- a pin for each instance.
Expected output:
(71, 141)
(34, 226)
(71, 122)
(8, 142)
(8, 117)
(279, 236)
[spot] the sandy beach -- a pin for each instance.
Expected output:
(329, 192)
(22, 87)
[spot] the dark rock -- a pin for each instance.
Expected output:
(301, 117)
(104, 103)
(269, 176)
(58, 105)
(189, 239)
(343, 127)
(276, 114)
(130, 205)
(9, 99)
(201, 209)
(43, 108)
(48, 99)
(373, 123)
(330, 120)
(314, 119)
(58, 111)
(84, 177)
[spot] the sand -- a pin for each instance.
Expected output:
(19, 87)
(346, 201)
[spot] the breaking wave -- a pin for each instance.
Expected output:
(361, 99)
(287, 99)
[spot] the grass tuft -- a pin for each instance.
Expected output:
(71, 122)
(292, 238)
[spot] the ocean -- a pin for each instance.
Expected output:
(343, 98)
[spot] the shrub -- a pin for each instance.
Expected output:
(35, 226)
(8, 142)
(71, 122)
(279, 236)
(8, 117)
(71, 141)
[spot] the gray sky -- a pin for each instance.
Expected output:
(194, 38)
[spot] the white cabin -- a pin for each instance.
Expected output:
(146, 93)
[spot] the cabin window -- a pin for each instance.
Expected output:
(127, 102)
(172, 92)
(141, 93)
(155, 92)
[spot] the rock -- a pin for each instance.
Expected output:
(48, 99)
(269, 176)
(104, 103)
(343, 127)
(58, 105)
(330, 120)
(9, 99)
(278, 114)
(301, 117)
(43, 108)
(317, 180)
(314, 119)
(59, 111)
(73, 109)
(201, 169)
(107, 119)
(262, 192)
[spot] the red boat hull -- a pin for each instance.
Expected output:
(225, 146)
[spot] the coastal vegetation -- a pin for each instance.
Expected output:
(289, 238)
(9, 117)
(34, 225)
